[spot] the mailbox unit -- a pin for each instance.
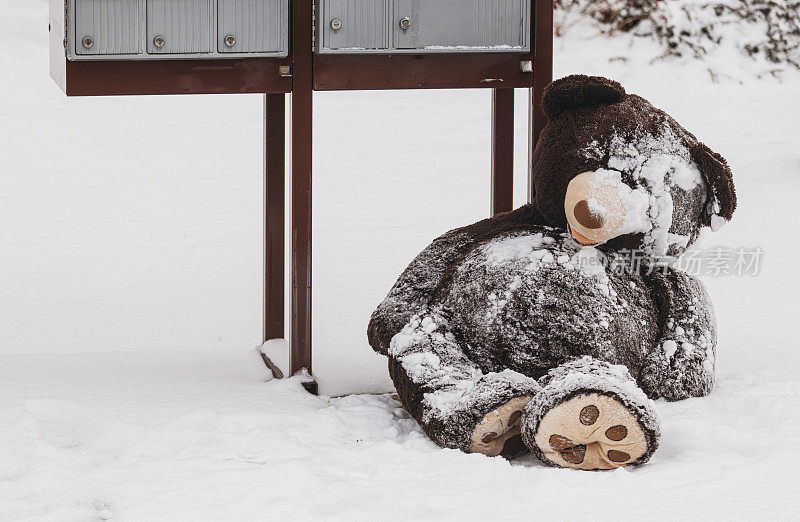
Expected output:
(173, 29)
(423, 26)
(158, 47)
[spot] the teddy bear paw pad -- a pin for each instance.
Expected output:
(498, 433)
(591, 431)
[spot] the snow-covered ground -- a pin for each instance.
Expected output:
(130, 300)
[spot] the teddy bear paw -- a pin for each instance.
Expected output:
(498, 433)
(592, 432)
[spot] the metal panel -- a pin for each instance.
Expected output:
(184, 25)
(362, 24)
(462, 25)
(257, 26)
(106, 27)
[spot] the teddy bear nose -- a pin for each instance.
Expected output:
(584, 215)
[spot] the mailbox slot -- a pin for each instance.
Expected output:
(178, 27)
(106, 27)
(252, 26)
(355, 25)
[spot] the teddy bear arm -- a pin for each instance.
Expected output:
(417, 285)
(446, 392)
(681, 365)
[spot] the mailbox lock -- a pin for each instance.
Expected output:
(336, 24)
(405, 23)
(88, 42)
(159, 41)
(230, 40)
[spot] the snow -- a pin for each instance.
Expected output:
(503, 47)
(278, 351)
(656, 162)
(670, 347)
(131, 299)
(171, 437)
(595, 207)
(717, 222)
(591, 263)
(501, 251)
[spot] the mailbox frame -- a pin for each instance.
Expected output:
(300, 73)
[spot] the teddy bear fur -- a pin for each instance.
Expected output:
(512, 306)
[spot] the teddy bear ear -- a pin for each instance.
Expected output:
(579, 90)
(719, 181)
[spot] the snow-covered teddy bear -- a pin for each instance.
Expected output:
(552, 327)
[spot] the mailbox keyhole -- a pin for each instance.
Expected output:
(88, 42)
(336, 24)
(405, 23)
(159, 41)
(230, 40)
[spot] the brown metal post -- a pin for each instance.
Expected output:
(502, 150)
(542, 75)
(302, 18)
(274, 210)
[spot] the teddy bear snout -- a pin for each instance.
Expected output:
(594, 207)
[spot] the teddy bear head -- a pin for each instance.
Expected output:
(621, 174)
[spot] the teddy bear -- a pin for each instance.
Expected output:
(553, 327)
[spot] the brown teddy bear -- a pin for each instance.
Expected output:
(534, 329)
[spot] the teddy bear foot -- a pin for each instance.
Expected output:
(591, 431)
(498, 433)
(591, 415)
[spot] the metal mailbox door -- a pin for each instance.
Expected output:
(106, 27)
(178, 27)
(253, 26)
(462, 25)
(355, 25)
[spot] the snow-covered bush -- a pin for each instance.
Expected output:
(759, 28)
